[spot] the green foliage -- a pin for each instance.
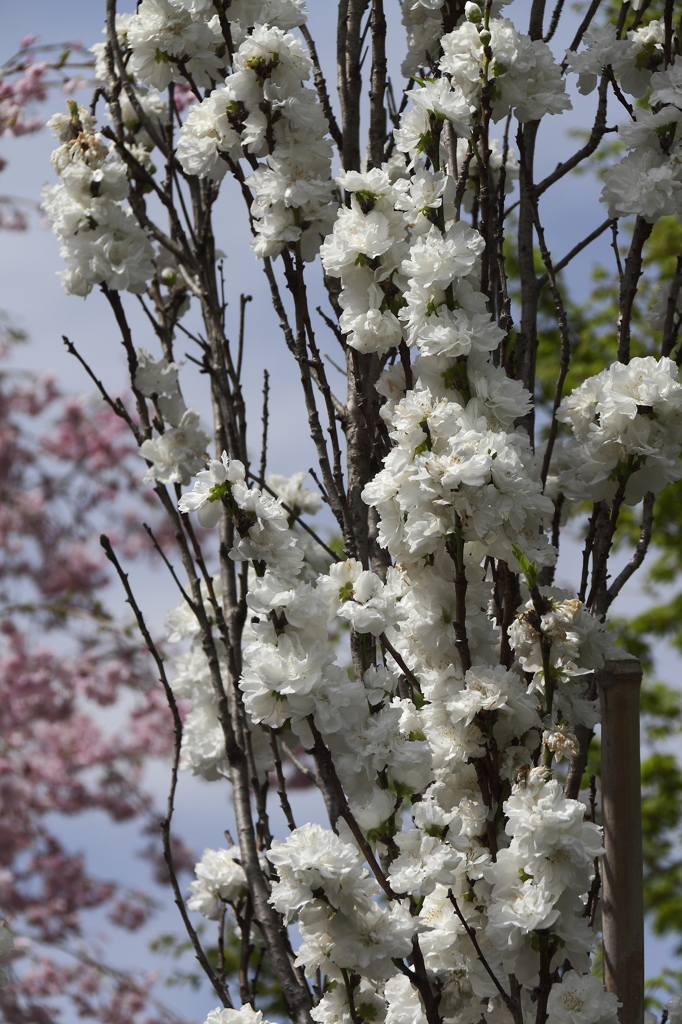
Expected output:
(268, 996)
(662, 823)
(667, 983)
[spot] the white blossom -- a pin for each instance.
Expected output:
(581, 999)
(245, 1015)
(210, 486)
(220, 879)
(155, 377)
(177, 454)
(526, 77)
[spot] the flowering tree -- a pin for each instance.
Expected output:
(66, 469)
(26, 80)
(458, 879)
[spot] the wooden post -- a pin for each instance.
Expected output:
(622, 868)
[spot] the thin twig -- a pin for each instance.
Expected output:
(296, 516)
(596, 135)
(264, 441)
(220, 988)
(327, 770)
(114, 403)
(554, 22)
(507, 999)
(150, 533)
(322, 91)
(243, 299)
(669, 332)
(639, 552)
(281, 783)
(584, 25)
(628, 286)
(616, 250)
(577, 249)
(388, 646)
(298, 764)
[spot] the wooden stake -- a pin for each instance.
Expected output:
(622, 896)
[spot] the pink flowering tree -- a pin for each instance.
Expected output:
(26, 80)
(66, 473)
(429, 676)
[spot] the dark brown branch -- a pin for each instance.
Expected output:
(618, 94)
(114, 300)
(327, 771)
(596, 135)
(348, 61)
(264, 441)
(114, 403)
(577, 249)
(616, 250)
(409, 675)
(322, 91)
(578, 763)
(584, 24)
(243, 300)
(670, 329)
(512, 1005)
(628, 286)
(523, 361)
(640, 551)
(281, 783)
(554, 21)
(377, 110)
(537, 14)
(587, 550)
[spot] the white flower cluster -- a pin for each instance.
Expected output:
(632, 60)
(460, 484)
(323, 882)
(577, 644)
(525, 77)
(103, 243)
(424, 25)
(203, 742)
(537, 881)
(365, 250)
(170, 39)
(245, 1015)
(627, 431)
(176, 454)
(289, 489)
(220, 879)
(265, 110)
(452, 473)
(289, 669)
(647, 181)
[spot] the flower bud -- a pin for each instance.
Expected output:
(472, 12)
